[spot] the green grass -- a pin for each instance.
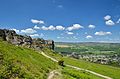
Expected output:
(24, 63)
(106, 70)
(110, 71)
(75, 74)
(29, 63)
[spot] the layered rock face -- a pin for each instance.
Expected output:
(26, 41)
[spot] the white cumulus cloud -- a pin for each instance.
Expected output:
(59, 37)
(118, 21)
(37, 35)
(89, 37)
(37, 21)
(107, 17)
(74, 27)
(34, 35)
(91, 26)
(101, 33)
(110, 23)
(70, 33)
(36, 27)
(60, 28)
(28, 31)
(51, 27)
(17, 31)
(44, 28)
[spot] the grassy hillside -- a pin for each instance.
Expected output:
(24, 63)
(110, 71)
(70, 73)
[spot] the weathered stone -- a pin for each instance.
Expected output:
(26, 41)
(38, 43)
(9, 35)
(50, 44)
(2, 35)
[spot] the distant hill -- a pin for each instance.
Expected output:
(86, 43)
(88, 47)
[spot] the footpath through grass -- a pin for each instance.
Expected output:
(70, 73)
(113, 72)
(24, 63)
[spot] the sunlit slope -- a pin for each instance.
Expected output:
(107, 70)
(23, 63)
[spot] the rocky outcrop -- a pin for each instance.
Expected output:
(26, 41)
(50, 44)
(2, 35)
(38, 43)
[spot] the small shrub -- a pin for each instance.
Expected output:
(61, 63)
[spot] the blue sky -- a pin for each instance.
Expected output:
(63, 20)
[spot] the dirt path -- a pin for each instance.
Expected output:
(53, 74)
(97, 74)
(48, 57)
(77, 68)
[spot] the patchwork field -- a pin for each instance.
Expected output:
(88, 48)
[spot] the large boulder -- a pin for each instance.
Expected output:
(18, 40)
(27, 41)
(9, 35)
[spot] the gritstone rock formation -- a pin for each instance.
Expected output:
(26, 41)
